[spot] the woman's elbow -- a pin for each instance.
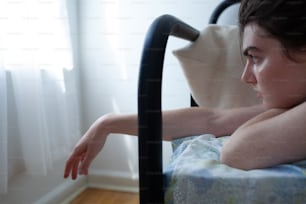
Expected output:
(236, 160)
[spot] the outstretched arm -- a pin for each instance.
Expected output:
(176, 123)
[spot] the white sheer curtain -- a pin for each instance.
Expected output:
(39, 111)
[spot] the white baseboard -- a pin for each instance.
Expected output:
(67, 191)
(64, 193)
(118, 181)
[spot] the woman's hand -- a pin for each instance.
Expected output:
(87, 149)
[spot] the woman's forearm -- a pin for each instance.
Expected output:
(120, 123)
(176, 123)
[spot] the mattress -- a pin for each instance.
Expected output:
(195, 175)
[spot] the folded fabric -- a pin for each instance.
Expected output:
(213, 65)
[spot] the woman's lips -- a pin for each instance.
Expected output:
(258, 95)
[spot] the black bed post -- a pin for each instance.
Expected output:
(149, 105)
(149, 101)
(220, 8)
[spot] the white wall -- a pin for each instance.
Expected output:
(111, 36)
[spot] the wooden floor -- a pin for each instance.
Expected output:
(97, 196)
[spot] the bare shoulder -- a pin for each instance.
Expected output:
(279, 115)
(273, 121)
(295, 114)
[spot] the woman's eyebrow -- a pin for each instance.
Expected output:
(250, 48)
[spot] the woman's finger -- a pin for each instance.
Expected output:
(75, 168)
(68, 167)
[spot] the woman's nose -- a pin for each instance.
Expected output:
(248, 75)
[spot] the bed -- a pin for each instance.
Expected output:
(194, 174)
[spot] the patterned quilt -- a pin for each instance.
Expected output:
(196, 176)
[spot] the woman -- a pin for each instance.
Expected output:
(273, 37)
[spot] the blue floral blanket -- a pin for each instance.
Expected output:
(196, 176)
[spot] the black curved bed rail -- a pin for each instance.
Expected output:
(151, 188)
(220, 8)
(149, 104)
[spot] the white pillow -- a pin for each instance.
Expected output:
(213, 66)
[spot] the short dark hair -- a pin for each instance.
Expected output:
(284, 20)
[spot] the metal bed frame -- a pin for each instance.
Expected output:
(151, 187)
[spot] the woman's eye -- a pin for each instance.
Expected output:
(253, 59)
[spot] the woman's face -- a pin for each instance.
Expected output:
(278, 81)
